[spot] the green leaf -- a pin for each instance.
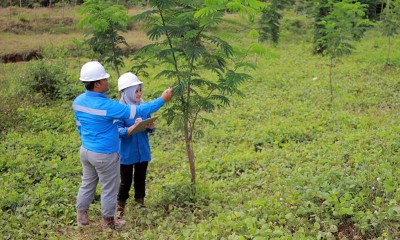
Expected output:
(156, 32)
(144, 16)
(211, 20)
(258, 49)
(170, 74)
(253, 34)
(221, 98)
(333, 228)
(163, 4)
(225, 46)
(194, 53)
(206, 11)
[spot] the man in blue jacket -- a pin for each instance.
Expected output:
(96, 116)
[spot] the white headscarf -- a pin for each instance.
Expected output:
(128, 95)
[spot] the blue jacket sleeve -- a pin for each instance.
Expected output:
(149, 107)
(122, 129)
(118, 110)
(149, 130)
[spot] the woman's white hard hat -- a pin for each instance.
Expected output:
(128, 80)
(93, 71)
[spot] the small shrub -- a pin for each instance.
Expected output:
(54, 52)
(18, 27)
(78, 49)
(70, 90)
(45, 16)
(45, 78)
(23, 18)
(8, 116)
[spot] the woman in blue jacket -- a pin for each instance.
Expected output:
(134, 148)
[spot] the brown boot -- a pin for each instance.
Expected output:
(112, 222)
(82, 218)
(140, 200)
(120, 208)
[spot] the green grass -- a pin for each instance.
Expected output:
(321, 170)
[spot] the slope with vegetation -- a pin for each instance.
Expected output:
(282, 162)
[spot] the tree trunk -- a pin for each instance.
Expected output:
(115, 63)
(9, 20)
(387, 19)
(388, 8)
(190, 154)
(117, 69)
(189, 150)
(388, 53)
(330, 79)
(63, 8)
(20, 3)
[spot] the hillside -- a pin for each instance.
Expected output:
(283, 162)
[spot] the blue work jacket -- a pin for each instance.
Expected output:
(136, 147)
(96, 116)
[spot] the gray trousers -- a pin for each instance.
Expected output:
(99, 167)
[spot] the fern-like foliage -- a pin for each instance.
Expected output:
(341, 26)
(185, 47)
(103, 22)
(270, 22)
(340, 20)
(198, 64)
(390, 24)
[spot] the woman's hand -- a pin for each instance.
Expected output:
(167, 94)
(137, 121)
(131, 128)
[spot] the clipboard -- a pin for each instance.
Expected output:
(142, 126)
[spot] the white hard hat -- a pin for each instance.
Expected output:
(128, 80)
(93, 71)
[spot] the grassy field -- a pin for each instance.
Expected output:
(25, 30)
(282, 163)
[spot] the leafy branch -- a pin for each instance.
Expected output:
(195, 61)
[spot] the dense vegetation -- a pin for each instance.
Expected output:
(283, 162)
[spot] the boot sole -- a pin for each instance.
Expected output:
(83, 224)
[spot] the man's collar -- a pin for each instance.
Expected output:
(95, 94)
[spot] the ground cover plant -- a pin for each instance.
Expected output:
(282, 162)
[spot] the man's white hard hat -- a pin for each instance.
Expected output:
(128, 80)
(93, 71)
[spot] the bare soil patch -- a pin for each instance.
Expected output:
(21, 56)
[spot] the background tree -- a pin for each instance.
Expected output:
(270, 22)
(320, 10)
(323, 8)
(103, 22)
(198, 64)
(339, 28)
(254, 47)
(374, 8)
(391, 23)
